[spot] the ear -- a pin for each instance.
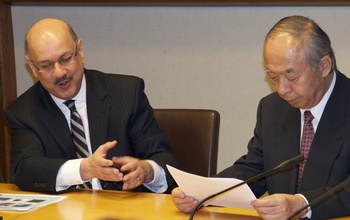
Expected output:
(81, 50)
(325, 65)
(32, 67)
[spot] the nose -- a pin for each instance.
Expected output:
(59, 70)
(283, 86)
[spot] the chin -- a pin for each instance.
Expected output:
(63, 96)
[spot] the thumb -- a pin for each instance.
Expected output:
(106, 147)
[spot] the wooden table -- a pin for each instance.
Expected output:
(118, 205)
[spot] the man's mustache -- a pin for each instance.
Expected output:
(65, 77)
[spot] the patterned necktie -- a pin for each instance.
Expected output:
(306, 141)
(78, 134)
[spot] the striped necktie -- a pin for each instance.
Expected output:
(78, 134)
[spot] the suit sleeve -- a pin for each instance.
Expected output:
(250, 164)
(145, 135)
(30, 168)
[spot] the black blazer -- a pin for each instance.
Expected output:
(117, 109)
(277, 138)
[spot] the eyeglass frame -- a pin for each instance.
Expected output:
(62, 61)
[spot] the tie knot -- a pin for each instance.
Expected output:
(70, 104)
(308, 117)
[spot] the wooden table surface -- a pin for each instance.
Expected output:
(118, 205)
(82, 204)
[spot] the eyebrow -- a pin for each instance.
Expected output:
(50, 61)
(290, 70)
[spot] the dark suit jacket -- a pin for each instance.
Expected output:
(277, 138)
(117, 109)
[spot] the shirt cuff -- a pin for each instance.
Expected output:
(309, 213)
(68, 175)
(159, 183)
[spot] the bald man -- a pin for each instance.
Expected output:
(126, 149)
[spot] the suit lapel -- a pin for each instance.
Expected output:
(98, 111)
(55, 122)
(286, 142)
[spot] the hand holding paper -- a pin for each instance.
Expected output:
(201, 187)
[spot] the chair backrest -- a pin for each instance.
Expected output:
(1, 178)
(193, 135)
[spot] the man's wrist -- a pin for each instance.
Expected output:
(307, 213)
(149, 175)
(84, 170)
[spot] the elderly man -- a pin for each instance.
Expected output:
(311, 106)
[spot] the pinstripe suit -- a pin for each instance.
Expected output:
(277, 138)
(117, 109)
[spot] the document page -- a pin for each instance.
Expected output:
(201, 187)
(26, 202)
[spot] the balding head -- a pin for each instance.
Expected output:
(47, 30)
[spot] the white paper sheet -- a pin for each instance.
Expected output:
(201, 187)
(26, 202)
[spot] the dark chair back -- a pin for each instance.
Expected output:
(1, 178)
(193, 135)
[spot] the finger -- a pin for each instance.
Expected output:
(110, 171)
(271, 212)
(111, 174)
(121, 160)
(133, 176)
(190, 207)
(185, 205)
(132, 183)
(100, 162)
(101, 153)
(265, 202)
(103, 149)
(97, 161)
(127, 163)
(177, 193)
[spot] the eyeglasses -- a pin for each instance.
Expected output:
(45, 67)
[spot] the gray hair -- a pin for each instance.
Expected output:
(314, 42)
